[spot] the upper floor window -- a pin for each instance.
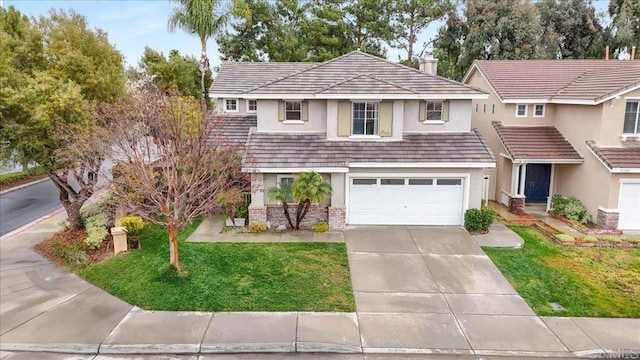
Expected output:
(293, 110)
(434, 111)
(521, 110)
(632, 117)
(365, 118)
(252, 106)
(230, 105)
(538, 110)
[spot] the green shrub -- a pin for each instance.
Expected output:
(590, 238)
(134, 225)
(611, 239)
(633, 239)
(479, 220)
(71, 255)
(257, 227)
(97, 219)
(570, 208)
(15, 176)
(320, 227)
(565, 238)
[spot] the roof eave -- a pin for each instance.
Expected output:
(445, 164)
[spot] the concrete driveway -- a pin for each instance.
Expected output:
(419, 288)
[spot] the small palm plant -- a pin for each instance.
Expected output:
(307, 188)
(281, 193)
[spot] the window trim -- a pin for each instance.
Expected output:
(279, 178)
(293, 121)
(249, 109)
(526, 110)
(426, 112)
(544, 110)
(226, 108)
(376, 120)
(637, 122)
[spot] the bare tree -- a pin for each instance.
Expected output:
(169, 169)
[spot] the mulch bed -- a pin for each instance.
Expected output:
(71, 238)
(591, 229)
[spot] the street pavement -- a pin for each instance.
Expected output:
(423, 292)
(26, 204)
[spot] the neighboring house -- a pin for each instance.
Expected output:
(567, 127)
(395, 142)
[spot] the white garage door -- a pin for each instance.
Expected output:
(406, 201)
(629, 206)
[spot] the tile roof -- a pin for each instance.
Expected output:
(617, 157)
(338, 74)
(239, 77)
(591, 80)
(232, 128)
(535, 143)
(313, 150)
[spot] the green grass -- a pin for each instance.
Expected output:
(229, 276)
(593, 282)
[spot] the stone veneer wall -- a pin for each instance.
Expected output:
(316, 214)
(516, 204)
(337, 218)
(607, 219)
(257, 214)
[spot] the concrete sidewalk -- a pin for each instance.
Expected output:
(418, 290)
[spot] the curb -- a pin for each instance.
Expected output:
(31, 224)
(24, 185)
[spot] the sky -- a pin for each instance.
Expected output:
(134, 24)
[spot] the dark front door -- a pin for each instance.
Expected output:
(536, 187)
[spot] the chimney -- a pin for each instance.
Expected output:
(633, 53)
(606, 52)
(428, 64)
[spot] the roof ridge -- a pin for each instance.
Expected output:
(411, 68)
(317, 64)
(340, 82)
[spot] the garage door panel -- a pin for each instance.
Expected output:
(629, 206)
(417, 202)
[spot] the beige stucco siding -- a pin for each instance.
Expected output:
(459, 117)
(613, 118)
(268, 118)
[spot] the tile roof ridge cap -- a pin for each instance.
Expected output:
(410, 68)
(315, 66)
(342, 81)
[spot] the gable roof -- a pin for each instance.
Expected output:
(536, 144)
(313, 150)
(617, 158)
(239, 77)
(352, 73)
(559, 81)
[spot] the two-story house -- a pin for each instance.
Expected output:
(567, 127)
(395, 142)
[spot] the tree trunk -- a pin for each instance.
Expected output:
(71, 206)
(173, 247)
(204, 65)
(303, 208)
(285, 206)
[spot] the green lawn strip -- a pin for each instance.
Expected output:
(229, 276)
(593, 282)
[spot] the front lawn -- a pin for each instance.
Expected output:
(229, 276)
(595, 282)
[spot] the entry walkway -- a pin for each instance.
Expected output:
(423, 290)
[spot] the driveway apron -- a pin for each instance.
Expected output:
(433, 289)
